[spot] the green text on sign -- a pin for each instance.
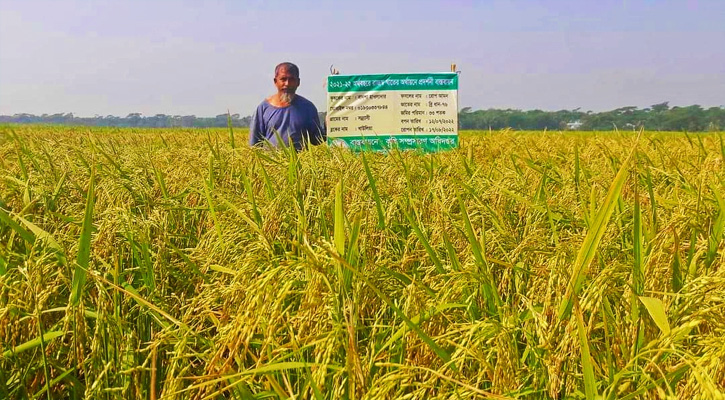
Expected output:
(426, 143)
(382, 82)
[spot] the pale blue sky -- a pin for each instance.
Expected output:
(204, 57)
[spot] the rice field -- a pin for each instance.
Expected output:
(181, 264)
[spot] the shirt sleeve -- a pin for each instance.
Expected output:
(256, 128)
(318, 133)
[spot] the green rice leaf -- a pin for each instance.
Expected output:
(41, 234)
(262, 370)
(677, 281)
(22, 232)
(417, 320)
(423, 240)
(656, 310)
(250, 197)
(374, 189)
(217, 227)
(339, 234)
(594, 236)
(31, 344)
(590, 382)
(231, 130)
(718, 229)
(84, 245)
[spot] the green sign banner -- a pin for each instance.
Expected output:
(366, 83)
(427, 143)
(407, 111)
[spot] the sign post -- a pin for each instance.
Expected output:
(407, 111)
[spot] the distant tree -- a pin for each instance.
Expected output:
(661, 107)
(715, 118)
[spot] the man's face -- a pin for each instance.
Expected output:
(286, 82)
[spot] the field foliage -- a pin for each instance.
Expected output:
(183, 264)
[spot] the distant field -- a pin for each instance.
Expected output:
(182, 264)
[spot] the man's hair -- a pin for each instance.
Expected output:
(291, 68)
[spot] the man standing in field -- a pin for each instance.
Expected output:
(285, 115)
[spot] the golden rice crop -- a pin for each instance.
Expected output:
(172, 264)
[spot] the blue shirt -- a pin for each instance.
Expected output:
(298, 123)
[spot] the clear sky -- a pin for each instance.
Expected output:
(204, 57)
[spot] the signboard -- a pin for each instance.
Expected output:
(408, 111)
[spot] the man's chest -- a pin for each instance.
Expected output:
(289, 117)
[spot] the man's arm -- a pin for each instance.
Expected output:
(256, 128)
(318, 132)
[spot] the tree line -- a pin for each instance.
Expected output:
(133, 120)
(660, 117)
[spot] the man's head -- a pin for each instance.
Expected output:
(286, 79)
